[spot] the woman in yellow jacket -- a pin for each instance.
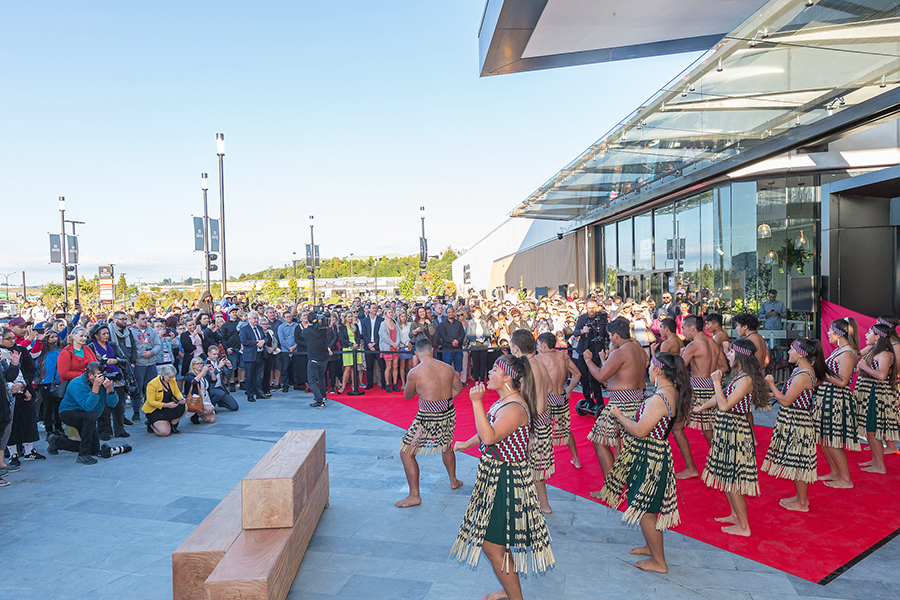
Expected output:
(164, 405)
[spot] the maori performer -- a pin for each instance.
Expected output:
(875, 397)
(643, 472)
(432, 429)
(559, 365)
(504, 517)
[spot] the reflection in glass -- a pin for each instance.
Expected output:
(664, 232)
(643, 242)
(625, 249)
(610, 256)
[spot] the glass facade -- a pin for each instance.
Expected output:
(722, 249)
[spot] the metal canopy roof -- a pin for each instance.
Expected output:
(792, 65)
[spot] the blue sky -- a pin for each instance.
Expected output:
(355, 112)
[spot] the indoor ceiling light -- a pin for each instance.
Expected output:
(764, 231)
(800, 242)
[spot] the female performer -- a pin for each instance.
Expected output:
(834, 415)
(731, 464)
(876, 396)
(504, 515)
(647, 459)
(891, 322)
(792, 452)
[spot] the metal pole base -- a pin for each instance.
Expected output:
(355, 391)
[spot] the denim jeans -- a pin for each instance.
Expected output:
(315, 374)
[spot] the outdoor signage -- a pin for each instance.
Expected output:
(72, 247)
(198, 234)
(213, 235)
(55, 248)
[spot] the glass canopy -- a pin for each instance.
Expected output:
(791, 64)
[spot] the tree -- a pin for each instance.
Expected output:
(121, 286)
(293, 288)
(410, 284)
(51, 291)
(144, 300)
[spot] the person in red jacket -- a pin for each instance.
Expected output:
(74, 358)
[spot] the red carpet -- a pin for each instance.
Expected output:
(841, 527)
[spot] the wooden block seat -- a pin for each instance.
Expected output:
(199, 554)
(276, 490)
(262, 563)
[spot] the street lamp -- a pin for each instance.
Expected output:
(7, 276)
(423, 245)
(312, 252)
(62, 241)
(351, 265)
(74, 223)
(294, 263)
(204, 185)
(220, 150)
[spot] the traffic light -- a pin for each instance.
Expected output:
(70, 269)
(209, 262)
(312, 272)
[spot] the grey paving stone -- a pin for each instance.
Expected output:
(374, 588)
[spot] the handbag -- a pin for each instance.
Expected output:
(193, 402)
(58, 389)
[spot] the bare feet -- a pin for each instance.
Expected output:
(576, 463)
(596, 495)
(737, 530)
(651, 565)
(891, 448)
(546, 510)
(456, 484)
(866, 463)
(409, 501)
(729, 519)
(791, 499)
(687, 474)
(841, 485)
(501, 595)
(828, 477)
(643, 551)
(793, 504)
(874, 469)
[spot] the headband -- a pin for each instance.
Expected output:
(657, 363)
(836, 331)
(880, 333)
(742, 350)
(796, 348)
(885, 323)
(507, 368)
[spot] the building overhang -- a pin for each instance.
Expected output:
(529, 35)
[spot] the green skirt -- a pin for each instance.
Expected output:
(504, 510)
(835, 418)
(876, 404)
(644, 474)
(731, 464)
(792, 452)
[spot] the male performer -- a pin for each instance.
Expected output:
(714, 327)
(540, 451)
(624, 369)
(746, 325)
(559, 365)
(432, 429)
(703, 356)
(670, 343)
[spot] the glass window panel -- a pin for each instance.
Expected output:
(611, 256)
(721, 293)
(664, 227)
(625, 249)
(743, 244)
(643, 242)
(688, 229)
(706, 247)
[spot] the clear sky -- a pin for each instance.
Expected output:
(355, 112)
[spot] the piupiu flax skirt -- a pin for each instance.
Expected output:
(430, 432)
(876, 404)
(560, 418)
(644, 474)
(606, 429)
(540, 453)
(504, 510)
(703, 393)
(731, 463)
(835, 418)
(792, 451)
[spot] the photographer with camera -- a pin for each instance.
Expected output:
(590, 334)
(108, 355)
(321, 342)
(87, 396)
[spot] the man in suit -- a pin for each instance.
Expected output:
(667, 309)
(369, 327)
(253, 342)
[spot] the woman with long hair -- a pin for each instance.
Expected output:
(891, 322)
(199, 382)
(875, 396)
(422, 327)
(404, 327)
(49, 380)
(504, 517)
(109, 355)
(191, 344)
(834, 414)
(389, 339)
(646, 459)
(349, 336)
(731, 464)
(792, 451)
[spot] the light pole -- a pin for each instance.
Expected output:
(220, 150)
(204, 185)
(65, 250)
(294, 264)
(7, 276)
(351, 265)
(423, 245)
(376, 279)
(312, 253)
(74, 223)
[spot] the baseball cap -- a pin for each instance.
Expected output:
(17, 321)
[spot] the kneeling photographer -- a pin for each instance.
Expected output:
(321, 342)
(110, 356)
(86, 397)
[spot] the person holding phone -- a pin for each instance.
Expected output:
(164, 405)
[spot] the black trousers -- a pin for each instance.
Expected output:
(116, 414)
(479, 364)
(371, 357)
(315, 373)
(298, 364)
(266, 375)
(252, 374)
(590, 387)
(24, 421)
(49, 410)
(86, 424)
(222, 399)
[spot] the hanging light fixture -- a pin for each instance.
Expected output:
(800, 242)
(764, 231)
(770, 257)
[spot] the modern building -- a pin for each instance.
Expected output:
(773, 162)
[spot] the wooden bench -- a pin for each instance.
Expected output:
(275, 491)
(262, 563)
(199, 554)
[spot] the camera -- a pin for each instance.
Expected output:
(597, 334)
(111, 376)
(320, 318)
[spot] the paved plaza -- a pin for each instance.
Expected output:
(107, 531)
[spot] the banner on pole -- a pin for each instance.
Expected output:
(72, 247)
(199, 234)
(213, 235)
(55, 248)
